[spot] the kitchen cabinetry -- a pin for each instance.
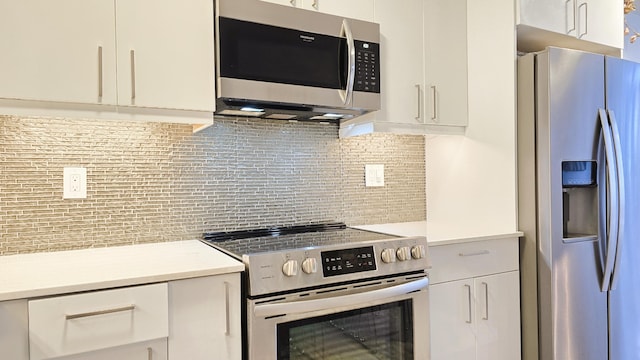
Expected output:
(356, 9)
(475, 307)
(14, 331)
(58, 51)
(165, 60)
(593, 25)
(100, 322)
(424, 73)
(108, 57)
(446, 77)
(205, 318)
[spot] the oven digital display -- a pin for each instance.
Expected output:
(347, 261)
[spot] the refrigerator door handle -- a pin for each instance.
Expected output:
(611, 232)
(621, 196)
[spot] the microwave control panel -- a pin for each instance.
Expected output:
(367, 77)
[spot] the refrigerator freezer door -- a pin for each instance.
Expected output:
(572, 308)
(623, 99)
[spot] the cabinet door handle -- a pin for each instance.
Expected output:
(227, 323)
(149, 353)
(434, 99)
(133, 75)
(100, 72)
(486, 301)
(474, 253)
(585, 19)
(316, 4)
(293, 2)
(469, 301)
(419, 91)
(573, 11)
(100, 312)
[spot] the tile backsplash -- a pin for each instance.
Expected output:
(153, 182)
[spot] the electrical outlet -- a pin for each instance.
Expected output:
(75, 183)
(374, 175)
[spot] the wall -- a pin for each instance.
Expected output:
(472, 178)
(151, 182)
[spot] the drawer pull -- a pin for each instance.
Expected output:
(100, 312)
(474, 253)
(149, 353)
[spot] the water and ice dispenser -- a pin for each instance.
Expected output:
(579, 200)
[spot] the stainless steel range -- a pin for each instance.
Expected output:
(327, 291)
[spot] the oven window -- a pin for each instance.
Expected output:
(378, 332)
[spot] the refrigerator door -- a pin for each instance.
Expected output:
(572, 308)
(623, 99)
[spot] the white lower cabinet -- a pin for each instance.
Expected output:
(475, 310)
(14, 330)
(196, 319)
(205, 318)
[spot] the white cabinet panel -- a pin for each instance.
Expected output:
(498, 316)
(14, 330)
(401, 47)
(592, 25)
(165, 60)
(446, 62)
(71, 324)
(356, 9)
(51, 51)
(452, 313)
(149, 350)
(205, 318)
(478, 317)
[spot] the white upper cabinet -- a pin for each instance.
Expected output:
(592, 25)
(71, 58)
(402, 66)
(61, 51)
(165, 60)
(446, 62)
(356, 9)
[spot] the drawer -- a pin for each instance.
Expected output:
(73, 324)
(472, 259)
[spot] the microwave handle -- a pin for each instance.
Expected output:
(301, 307)
(347, 94)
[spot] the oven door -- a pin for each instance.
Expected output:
(381, 320)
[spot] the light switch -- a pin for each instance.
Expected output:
(75, 183)
(374, 175)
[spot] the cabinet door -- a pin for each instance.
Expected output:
(204, 317)
(285, 2)
(446, 62)
(553, 15)
(14, 332)
(498, 316)
(58, 51)
(452, 317)
(356, 9)
(600, 22)
(149, 350)
(165, 54)
(401, 75)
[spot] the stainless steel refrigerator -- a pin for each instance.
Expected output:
(579, 201)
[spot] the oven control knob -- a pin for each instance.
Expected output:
(418, 252)
(290, 268)
(404, 253)
(388, 255)
(310, 265)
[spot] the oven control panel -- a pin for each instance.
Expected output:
(347, 261)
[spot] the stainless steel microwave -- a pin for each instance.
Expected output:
(280, 62)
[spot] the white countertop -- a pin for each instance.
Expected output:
(43, 274)
(437, 234)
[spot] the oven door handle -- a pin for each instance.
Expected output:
(300, 307)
